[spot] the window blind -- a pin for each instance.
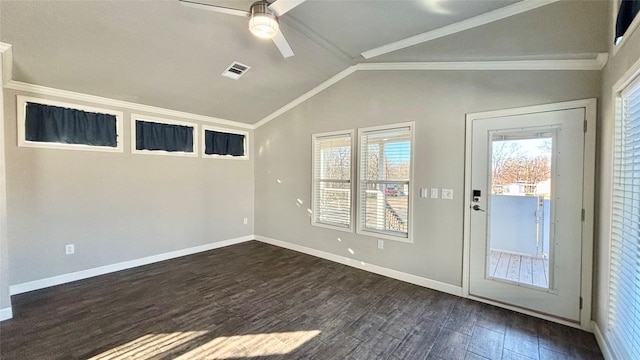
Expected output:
(385, 172)
(332, 180)
(624, 288)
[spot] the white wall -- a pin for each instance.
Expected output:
(115, 207)
(619, 63)
(5, 301)
(437, 101)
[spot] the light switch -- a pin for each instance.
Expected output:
(423, 192)
(434, 193)
(447, 194)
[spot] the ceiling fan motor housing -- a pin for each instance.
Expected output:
(262, 21)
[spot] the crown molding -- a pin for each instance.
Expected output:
(43, 90)
(594, 64)
(482, 19)
(6, 72)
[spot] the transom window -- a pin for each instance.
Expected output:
(52, 124)
(150, 135)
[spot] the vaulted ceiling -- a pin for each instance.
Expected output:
(164, 54)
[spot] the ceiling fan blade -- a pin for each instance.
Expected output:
(282, 44)
(220, 9)
(281, 7)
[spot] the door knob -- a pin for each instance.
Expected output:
(477, 208)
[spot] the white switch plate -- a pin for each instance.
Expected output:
(434, 193)
(423, 192)
(246, 221)
(69, 249)
(447, 194)
(380, 244)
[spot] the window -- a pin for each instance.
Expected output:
(626, 20)
(224, 144)
(162, 137)
(384, 185)
(57, 125)
(332, 171)
(624, 285)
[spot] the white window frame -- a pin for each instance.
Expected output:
(632, 28)
(157, 120)
(354, 196)
(228, 131)
(21, 115)
(360, 226)
(629, 80)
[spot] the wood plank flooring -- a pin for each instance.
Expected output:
(256, 301)
(520, 268)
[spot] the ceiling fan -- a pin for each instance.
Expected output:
(263, 19)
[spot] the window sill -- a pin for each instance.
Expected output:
(380, 235)
(332, 227)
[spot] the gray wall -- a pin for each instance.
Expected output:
(437, 101)
(5, 301)
(115, 206)
(616, 68)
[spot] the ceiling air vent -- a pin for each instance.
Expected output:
(235, 70)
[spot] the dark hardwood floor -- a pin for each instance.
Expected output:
(256, 301)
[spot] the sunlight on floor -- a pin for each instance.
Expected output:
(223, 347)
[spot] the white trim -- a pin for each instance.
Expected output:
(594, 64)
(607, 351)
(384, 235)
(394, 274)
(43, 90)
(145, 118)
(531, 313)
(588, 194)
(627, 34)
(6, 52)
(21, 113)
(314, 137)
(84, 274)
(6, 314)
(225, 157)
(470, 23)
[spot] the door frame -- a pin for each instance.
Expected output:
(588, 196)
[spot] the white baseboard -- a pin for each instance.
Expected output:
(398, 275)
(84, 274)
(6, 314)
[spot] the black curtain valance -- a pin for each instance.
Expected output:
(167, 137)
(221, 143)
(628, 11)
(46, 123)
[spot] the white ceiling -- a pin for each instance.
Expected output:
(163, 54)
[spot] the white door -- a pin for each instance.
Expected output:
(526, 211)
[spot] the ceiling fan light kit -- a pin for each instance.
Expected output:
(262, 22)
(263, 19)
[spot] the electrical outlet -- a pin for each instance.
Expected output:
(246, 221)
(447, 194)
(380, 244)
(434, 193)
(69, 249)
